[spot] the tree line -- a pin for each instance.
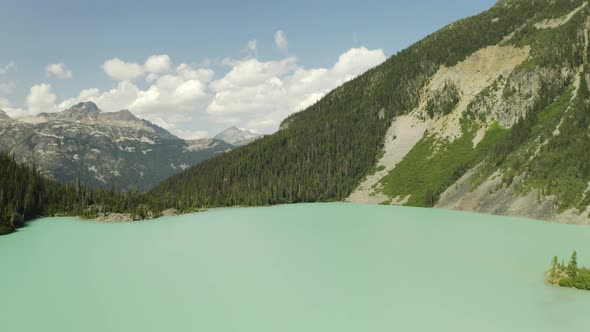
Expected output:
(25, 194)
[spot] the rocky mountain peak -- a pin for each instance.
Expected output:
(86, 112)
(236, 136)
(3, 115)
(85, 107)
(122, 116)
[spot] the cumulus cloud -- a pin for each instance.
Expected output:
(153, 67)
(158, 64)
(252, 71)
(58, 70)
(41, 99)
(281, 41)
(188, 72)
(188, 99)
(122, 71)
(171, 100)
(189, 134)
(259, 95)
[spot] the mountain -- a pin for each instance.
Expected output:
(489, 114)
(237, 137)
(99, 149)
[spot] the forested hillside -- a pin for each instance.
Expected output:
(25, 194)
(324, 152)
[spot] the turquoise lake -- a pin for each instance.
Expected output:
(309, 267)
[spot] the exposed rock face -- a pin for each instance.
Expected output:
(110, 150)
(237, 137)
(497, 87)
(401, 137)
(470, 77)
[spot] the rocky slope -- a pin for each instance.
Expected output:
(110, 150)
(523, 89)
(489, 114)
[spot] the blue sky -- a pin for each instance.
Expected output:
(210, 36)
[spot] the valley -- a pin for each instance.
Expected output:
(489, 114)
(240, 182)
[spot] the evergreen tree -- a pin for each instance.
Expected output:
(572, 267)
(25, 194)
(554, 267)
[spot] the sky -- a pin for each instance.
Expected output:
(198, 67)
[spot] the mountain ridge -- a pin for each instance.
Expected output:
(101, 149)
(487, 97)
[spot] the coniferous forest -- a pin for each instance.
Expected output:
(24, 194)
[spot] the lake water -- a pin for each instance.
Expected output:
(310, 267)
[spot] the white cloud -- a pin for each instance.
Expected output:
(41, 99)
(252, 72)
(170, 100)
(188, 134)
(118, 98)
(357, 60)
(58, 70)
(188, 72)
(122, 71)
(5, 69)
(158, 64)
(188, 100)
(281, 41)
(259, 95)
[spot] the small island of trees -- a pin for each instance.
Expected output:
(569, 275)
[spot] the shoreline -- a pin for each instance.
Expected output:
(127, 217)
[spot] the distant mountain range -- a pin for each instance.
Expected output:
(111, 150)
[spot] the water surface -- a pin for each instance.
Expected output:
(311, 267)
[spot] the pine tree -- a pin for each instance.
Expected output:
(554, 267)
(572, 267)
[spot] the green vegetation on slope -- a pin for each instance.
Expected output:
(529, 146)
(512, 151)
(569, 275)
(433, 165)
(561, 168)
(550, 148)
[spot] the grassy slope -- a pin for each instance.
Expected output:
(433, 165)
